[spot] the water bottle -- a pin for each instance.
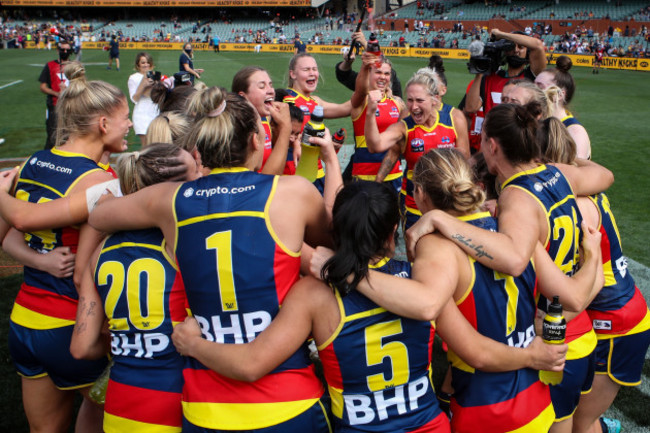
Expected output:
(98, 389)
(553, 332)
(339, 139)
(308, 163)
(373, 48)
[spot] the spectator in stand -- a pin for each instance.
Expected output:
(298, 45)
(53, 81)
(113, 53)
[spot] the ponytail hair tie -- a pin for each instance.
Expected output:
(217, 111)
(136, 156)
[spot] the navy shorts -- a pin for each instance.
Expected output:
(577, 380)
(622, 358)
(46, 352)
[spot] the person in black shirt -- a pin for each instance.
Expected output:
(346, 76)
(53, 81)
(113, 53)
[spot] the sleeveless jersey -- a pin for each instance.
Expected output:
(554, 194)
(365, 165)
(420, 140)
(143, 299)
(237, 273)
(570, 120)
(502, 308)
(268, 146)
(377, 366)
(619, 308)
(45, 301)
(306, 105)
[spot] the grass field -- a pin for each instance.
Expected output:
(613, 106)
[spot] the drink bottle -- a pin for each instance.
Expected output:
(98, 390)
(339, 136)
(373, 48)
(339, 139)
(308, 163)
(553, 332)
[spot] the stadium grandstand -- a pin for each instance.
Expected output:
(564, 26)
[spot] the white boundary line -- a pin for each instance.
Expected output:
(11, 84)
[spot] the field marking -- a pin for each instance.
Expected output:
(11, 84)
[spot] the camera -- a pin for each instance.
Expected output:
(181, 78)
(154, 75)
(494, 55)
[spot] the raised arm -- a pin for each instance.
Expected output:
(361, 87)
(395, 134)
(278, 157)
(536, 54)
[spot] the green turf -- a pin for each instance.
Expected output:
(611, 106)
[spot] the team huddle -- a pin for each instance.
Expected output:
(209, 278)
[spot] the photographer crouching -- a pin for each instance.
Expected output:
(524, 57)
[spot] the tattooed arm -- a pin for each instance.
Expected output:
(522, 223)
(88, 339)
(391, 157)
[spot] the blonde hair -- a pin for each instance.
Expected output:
(82, 101)
(555, 142)
(447, 179)
(428, 79)
(158, 162)
(225, 123)
(170, 127)
(539, 105)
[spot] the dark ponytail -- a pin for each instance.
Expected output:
(364, 218)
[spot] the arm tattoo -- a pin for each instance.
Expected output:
(386, 166)
(480, 252)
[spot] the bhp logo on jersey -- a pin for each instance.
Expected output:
(365, 409)
(417, 145)
(394, 112)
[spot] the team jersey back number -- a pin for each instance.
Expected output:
(567, 232)
(153, 293)
(395, 351)
(510, 286)
(221, 242)
(47, 237)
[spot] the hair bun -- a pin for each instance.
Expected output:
(563, 63)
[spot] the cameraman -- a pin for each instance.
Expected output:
(526, 60)
(53, 81)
